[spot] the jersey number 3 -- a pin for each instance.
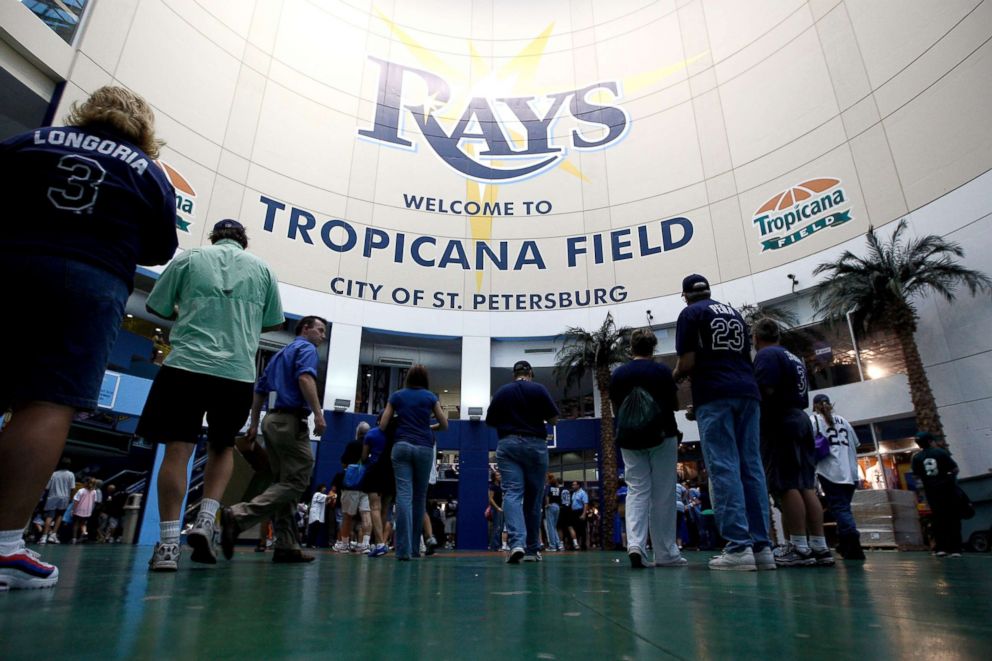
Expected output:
(79, 183)
(728, 334)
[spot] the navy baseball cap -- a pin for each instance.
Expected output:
(522, 366)
(821, 398)
(695, 283)
(228, 224)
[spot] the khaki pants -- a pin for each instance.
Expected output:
(287, 440)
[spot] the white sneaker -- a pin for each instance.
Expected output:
(43, 540)
(53, 538)
(201, 540)
(361, 548)
(739, 561)
(561, 547)
(423, 547)
(515, 556)
(764, 559)
(24, 569)
(341, 547)
(165, 557)
(575, 544)
(504, 548)
(674, 562)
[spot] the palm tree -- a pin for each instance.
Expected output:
(755, 312)
(597, 352)
(880, 289)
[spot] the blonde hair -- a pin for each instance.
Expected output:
(122, 110)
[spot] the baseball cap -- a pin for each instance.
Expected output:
(228, 224)
(925, 436)
(821, 398)
(694, 283)
(522, 366)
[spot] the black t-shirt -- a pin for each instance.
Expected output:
(717, 334)
(352, 453)
(520, 408)
(554, 494)
(657, 380)
(935, 468)
(87, 195)
(782, 379)
(497, 490)
(115, 505)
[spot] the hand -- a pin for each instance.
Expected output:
(319, 424)
(252, 434)
(690, 413)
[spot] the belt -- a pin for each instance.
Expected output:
(298, 413)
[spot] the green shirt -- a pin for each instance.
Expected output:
(224, 296)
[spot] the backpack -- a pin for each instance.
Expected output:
(638, 421)
(353, 475)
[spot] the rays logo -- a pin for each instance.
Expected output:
(513, 134)
(185, 197)
(806, 208)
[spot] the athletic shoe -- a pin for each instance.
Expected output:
(764, 559)
(551, 549)
(561, 547)
(533, 557)
(352, 546)
(378, 550)
(575, 545)
(290, 556)
(430, 547)
(515, 556)
(941, 554)
(43, 540)
(25, 570)
(53, 538)
(637, 559)
(675, 562)
(792, 556)
(504, 548)
(341, 547)
(228, 532)
(201, 540)
(165, 557)
(361, 548)
(953, 555)
(734, 561)
(823, 557)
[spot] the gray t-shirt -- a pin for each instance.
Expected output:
(61, 483)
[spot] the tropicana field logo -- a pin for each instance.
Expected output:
(185, 197)
(806, 208)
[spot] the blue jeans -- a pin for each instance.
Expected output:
(551, 521)
(729, 430)
(412, 467)
(523, 465)
(839, 503)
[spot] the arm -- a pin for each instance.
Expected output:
(256, 412)
(272, 316)
(685, 365)
(308, 385)
(365, 452)
(492, 502)
(387, 415)
(442, 419)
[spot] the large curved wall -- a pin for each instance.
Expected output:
(617, 145)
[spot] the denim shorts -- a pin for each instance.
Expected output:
(61, 319)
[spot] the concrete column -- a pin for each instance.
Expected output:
(343, 359)
(476, 362)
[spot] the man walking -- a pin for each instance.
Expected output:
(292, 375)
(714, 349)
(788, 449)
(83, 205)
(222, 298)
(938, 472)
(519, 411)
(60, 486)
(354, 501)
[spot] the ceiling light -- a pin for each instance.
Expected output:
(158, 330)
(129, 316)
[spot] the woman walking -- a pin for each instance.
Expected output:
(412, 455)
(838, 473)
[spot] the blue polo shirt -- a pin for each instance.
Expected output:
(717, 334)
(414, 407)
(520, 408)
(579, 499)
(782, 377)
(283, 372)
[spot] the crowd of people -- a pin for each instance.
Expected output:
(756, 439)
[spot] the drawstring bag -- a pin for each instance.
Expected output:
(353, 475)
(821, 442)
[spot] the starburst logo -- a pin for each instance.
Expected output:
(185, 197)
(794, 214)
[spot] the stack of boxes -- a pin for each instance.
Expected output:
(887, 518)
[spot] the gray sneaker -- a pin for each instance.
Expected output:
(823, 557)
(201, 540)
(791, 556)
(533, 557)
(679, 561)
(165, 557)
(764, 559)
(515, 556)
(734, 561)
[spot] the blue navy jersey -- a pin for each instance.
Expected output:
(718, 336)
(87, 195)
(782, 378)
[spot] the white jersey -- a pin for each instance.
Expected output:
(317, 504)
(841, 465)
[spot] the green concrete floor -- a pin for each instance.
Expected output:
(472, 606)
